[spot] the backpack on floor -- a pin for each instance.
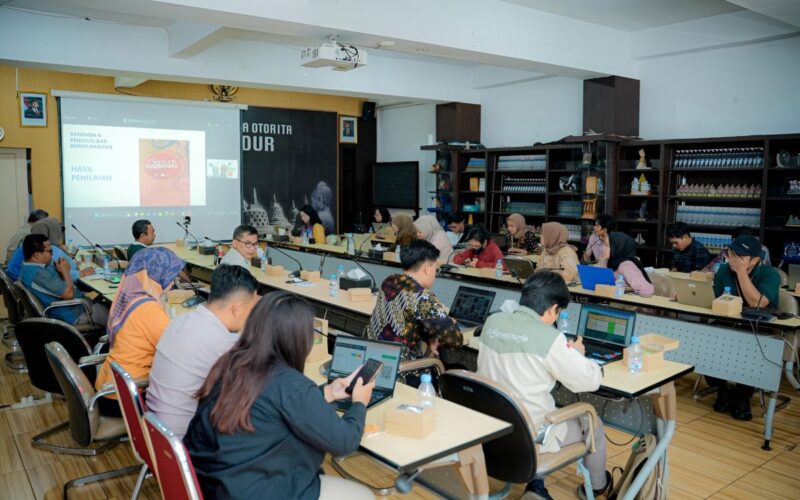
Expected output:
(653, 487)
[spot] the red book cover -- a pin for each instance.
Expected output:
(163, 173)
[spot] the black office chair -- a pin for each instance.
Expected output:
(33, 335)
(87, 426)
(14, 359)
(514, 458)
(33, 308)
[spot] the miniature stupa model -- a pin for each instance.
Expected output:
(256, 215)
(294, 212)
(276, 214)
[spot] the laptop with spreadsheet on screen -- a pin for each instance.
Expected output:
(350, 353)
(471, 306)
(606, 332)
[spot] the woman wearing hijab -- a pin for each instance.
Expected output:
(557, 254)
(428, 229)
(622, 259)
(404, 232)
(521, 239)
(138, 317)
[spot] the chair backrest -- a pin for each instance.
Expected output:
(120, 254)
(513, 457)
(31, 305)
(784, 277)
(132, 403)
(663, 285)
(787, 303)
(11, 298)
(174, 469)
(33, 334)
(78, 391)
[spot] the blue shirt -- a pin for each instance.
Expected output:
(48, 285)
(14, 268)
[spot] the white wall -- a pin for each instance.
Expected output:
(401, 132)
(537, 111)
(745, 90)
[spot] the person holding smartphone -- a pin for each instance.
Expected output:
(261, 425)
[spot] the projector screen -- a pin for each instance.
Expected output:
(125, 159)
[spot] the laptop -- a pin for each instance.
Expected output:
(349, 353)
(694, 293)
(519, 267)
(471, 307)
(606, 332)
(592, 276)
(794, 276)
(378, 226)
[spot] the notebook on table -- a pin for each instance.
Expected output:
(694, 293)
(349, 353)
(471, 307)
(592, 276)
(606, 332)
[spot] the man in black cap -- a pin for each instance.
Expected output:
(758, 286)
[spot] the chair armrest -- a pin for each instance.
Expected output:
(107, 389)
(93, 360)
(142, 382)
(71, 303)
(575, 410)
(421, 364)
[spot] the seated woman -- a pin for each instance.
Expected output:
(404, 232)
(481, 250)
(381, 216)
(137, 318)
(521, 238)
(622, 259)
(429, 229)
(262, 425)
(312, 225)
(557, 254)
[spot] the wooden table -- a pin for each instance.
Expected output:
(458, 430)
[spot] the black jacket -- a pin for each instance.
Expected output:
(295, 427)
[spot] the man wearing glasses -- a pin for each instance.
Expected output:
(54, 283)
(243, 248)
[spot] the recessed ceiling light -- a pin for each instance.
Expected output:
(386, 43)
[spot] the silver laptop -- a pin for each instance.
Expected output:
(350, 353)
(694, 293)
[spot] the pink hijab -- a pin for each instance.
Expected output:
(432, 232)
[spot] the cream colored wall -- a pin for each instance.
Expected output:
(43, 142)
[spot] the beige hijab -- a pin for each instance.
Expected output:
(554, 237)
(405, 229)
(433, 232)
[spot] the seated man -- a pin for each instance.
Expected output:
(243, 247)
(54, 283)
(458, 229)
(14, 268)
(194, 341)
(408, 312)
(688, 254)
(144, 234)
(597, 248)
(757, 285)
(524, 353)
(720, 258)
(16, 239)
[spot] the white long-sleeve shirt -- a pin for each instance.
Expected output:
(528, 357)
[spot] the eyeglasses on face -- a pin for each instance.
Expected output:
(248, 244)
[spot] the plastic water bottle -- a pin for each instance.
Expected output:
(635, 355)
(340, 274)
(305, 238)
(726, 292)
(563, 323)
(397, 253)
(498, 269)
(106, 266)
(426, 394)
(716, 267)
(333, 287)
(264, 263)
(351, 244)
(619, 287)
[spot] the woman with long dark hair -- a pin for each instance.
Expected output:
(312, 225)
(261, 425)
(623, 260)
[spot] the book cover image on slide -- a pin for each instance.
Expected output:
(163, 173)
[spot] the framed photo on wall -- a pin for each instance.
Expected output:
(348, 129)
(33, 109)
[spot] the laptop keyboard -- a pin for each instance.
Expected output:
(602, 354)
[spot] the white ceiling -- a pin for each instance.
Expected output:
(632, 15)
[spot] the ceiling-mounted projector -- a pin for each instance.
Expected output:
(336, 55)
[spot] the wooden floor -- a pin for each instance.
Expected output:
(711, 456)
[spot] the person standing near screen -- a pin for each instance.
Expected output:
(243, 247)
(144, 234)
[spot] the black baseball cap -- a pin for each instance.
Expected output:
(746, 245)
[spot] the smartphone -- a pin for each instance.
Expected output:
(367, 374)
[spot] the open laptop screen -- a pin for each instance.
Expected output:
(351, 352)
(472, 304)
(609, 326)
